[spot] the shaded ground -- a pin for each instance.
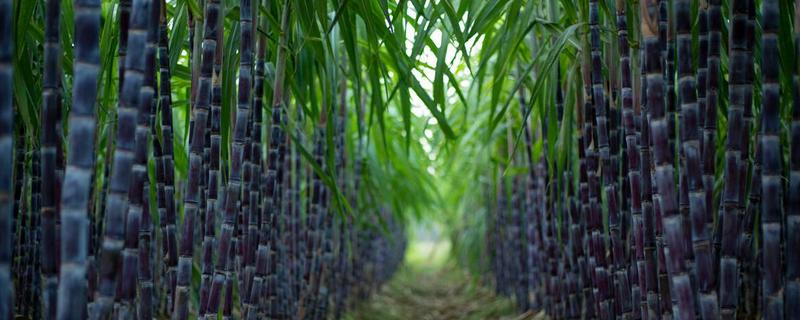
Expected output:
(422, 293)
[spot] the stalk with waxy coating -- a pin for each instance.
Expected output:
(124, 11)
(710, 124)
(282, 287)
(315, 222)
(618, 218)
(589, 195)
(707, 84)
(50, 138)
(691, 150)
(516, 234)
(772, 287)
(136, 194)
(792, 245)
(648, 271)
(251, 310)
(748, 274)
(297, 244)
(664, 174)
(571, 232)
(251, 177)
(748, 209)
(212, 204)
(165, 167)
(702, 78)
(26, 232)
(277, 140)
(609, 186)
(120, 179)
(146, 287)
(531, 232)
(6, 160)
(146, 296)
(632, 153)
(196, 144)
(299, 227)
(212, 201)
(595, 243)
(667, 45)
(80, 161)
(581, 238)
(732, 194)
(15, 190)
(240, 176)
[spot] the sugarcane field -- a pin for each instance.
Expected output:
(399, 159)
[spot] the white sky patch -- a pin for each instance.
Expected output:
(429, 133)
(431, 170)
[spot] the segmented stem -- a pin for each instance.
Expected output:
(50, 138)
(772, 285)
(72, 284)
(6, 160)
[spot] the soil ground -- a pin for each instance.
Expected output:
(439, 293)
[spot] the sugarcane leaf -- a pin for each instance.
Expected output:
(178, 34)
(552, 59)
(197, 13)
(441, 65)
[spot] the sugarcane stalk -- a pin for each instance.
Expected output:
(20, 217)
(136, 194)
(165, 168)
(749, 207)
(249, 206)
(28, 297)
(192, 195)
(772, 282)
(691, 149)
(546, 229)
(80, 161)
(146, 290)
(705, 273)
(6, 160)
(531, 235)
(519, 283)
(272, 188)
(733, 194)
(50, 138)
(574, 232)
(233, 188)
(667, 40)
(701, 77)
(664, 176)
(710, 127)
(147, 298)
(633, 154)
(792, 244)
(604, 279)
(617, 221)
(124, 12)
(262, 250)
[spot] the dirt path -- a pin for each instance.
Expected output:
(444, 293)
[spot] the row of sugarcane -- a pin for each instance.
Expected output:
(640, 232)
(265, 232)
